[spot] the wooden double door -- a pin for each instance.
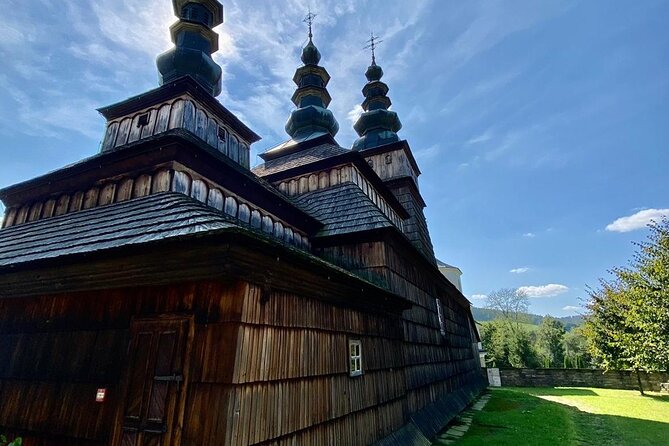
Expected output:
(152, 410)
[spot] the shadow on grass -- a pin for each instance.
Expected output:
(516, 417)
(559, 391)
(663, 398)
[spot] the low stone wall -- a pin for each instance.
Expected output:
(618, 379)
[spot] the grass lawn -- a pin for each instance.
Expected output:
(570, 416)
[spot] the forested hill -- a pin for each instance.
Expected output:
(487, 314)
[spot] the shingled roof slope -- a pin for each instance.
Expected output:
(141, 220)
(297, 159)
(342, 209)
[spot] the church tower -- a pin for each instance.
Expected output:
(312, 117)
(185, 101)
(390, 157)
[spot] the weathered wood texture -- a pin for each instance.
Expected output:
(175, 178)
(292, 373)
(255, 355)
(181, 113)
(392, 164)
(56, 351)
(332, 177)
(415, 227)
(435, 364)
(613, 379)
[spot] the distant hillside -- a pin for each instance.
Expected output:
(487, 314)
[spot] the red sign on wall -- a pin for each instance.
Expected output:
(100, 395)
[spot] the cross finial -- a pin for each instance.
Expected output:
(309, 20)
(373, 42)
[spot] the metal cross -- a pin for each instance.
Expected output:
(373, 43)
(309, 20)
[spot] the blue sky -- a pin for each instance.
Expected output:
(537, 124)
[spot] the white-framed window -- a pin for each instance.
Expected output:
(440, 314)
(354, 357)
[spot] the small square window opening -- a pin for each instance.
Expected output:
(143, 120)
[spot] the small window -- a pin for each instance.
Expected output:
(355, 357)
(222, 134)
(389, 159)
(143, 120)
(442, 321)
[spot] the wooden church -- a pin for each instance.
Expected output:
(161, 292)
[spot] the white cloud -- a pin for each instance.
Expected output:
(522, 270)
(479, 139)
(571, 308)
(637, 221)
(128, 23)
(427, 153)
(529, 235)
(355, 113)
(479, 296)
(550, 290)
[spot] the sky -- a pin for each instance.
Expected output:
(540, 126)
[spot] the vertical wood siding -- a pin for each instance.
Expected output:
(182, 113)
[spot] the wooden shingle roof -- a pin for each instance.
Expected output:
(298, 159)
(138, 221)
(343, 209)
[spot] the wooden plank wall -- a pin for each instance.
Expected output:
(181, 113)
(292, 373)
(434, 365)
(56, 351)
(267, 367)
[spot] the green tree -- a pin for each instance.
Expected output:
(628, 321)
(5, 442)
(506, 340)
(576, 355)
(506, 346)
(550, 342)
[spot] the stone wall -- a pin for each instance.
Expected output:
(619, 379)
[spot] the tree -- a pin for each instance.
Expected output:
(576, 355)
(628, 321)
(5, 442)
(550, 342)
(507, 348)
(507, 342)
(512, 303)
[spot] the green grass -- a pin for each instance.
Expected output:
(570, 416)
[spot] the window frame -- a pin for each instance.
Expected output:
(355, 358)
(440, 316)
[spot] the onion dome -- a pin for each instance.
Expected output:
(194, 43)
(311, 96)
(310, 54)
(377, 126)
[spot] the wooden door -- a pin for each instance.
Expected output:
(152, 411)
